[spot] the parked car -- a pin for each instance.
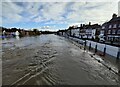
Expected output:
(101, 38)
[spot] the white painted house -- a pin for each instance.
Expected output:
(17, 33)
(90, 31)
(75, 32)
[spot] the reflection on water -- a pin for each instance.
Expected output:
(23, 41)
(17, 37)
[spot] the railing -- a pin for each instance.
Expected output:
(102, 47)
(106, 49)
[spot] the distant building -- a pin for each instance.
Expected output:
(17, 33)
(61, 32)
(90, 31)
(75, 31)
(82, 31)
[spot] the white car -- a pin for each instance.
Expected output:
(101, 38)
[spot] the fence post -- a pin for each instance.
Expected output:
(118, 54)
(89, 46)
(85, 45)
(96, 48)
(104, 50)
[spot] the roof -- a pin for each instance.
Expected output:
(115, 19)
(92, 26)
(106, 24)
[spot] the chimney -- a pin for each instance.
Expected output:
(114, 16)
(89, 23)
(81, 25)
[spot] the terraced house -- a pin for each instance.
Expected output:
(111, 30)
(90, 31)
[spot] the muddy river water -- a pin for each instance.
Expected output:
(51, 60)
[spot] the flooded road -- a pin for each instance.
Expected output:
(51, 60)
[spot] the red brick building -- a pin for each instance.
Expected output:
(111, 30)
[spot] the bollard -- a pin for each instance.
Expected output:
(118, 71)
(85, 45)
(96, 48)
(104, 50)
(89, 46)
(118, 54)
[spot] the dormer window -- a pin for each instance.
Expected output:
(115, 26)
(110, 26)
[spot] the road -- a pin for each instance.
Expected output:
(51, 60)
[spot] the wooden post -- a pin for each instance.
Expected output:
(85, 45)
(118, 54)
(104, 50)
(90, 46)
(96, 48)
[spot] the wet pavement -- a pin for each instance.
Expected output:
(51, 60)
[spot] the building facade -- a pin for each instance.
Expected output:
(90, 31)
(111, 30)
(75, 31)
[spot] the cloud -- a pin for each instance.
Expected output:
(92, 11)
(45, 27)
(119, 8)
(48, 28)
(54, 13)
(10, 12)
(60, 0)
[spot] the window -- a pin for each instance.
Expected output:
(102, 32)
(115, 26)
(110, 26)
(103, 27)
(109, 31)
(113, 31)
(119, 26)
(118, 32)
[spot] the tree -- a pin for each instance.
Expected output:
(36, 31)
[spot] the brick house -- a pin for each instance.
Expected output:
(111, 30)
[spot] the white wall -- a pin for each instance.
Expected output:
(93, 33)
(111, 50)
(75, 31)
